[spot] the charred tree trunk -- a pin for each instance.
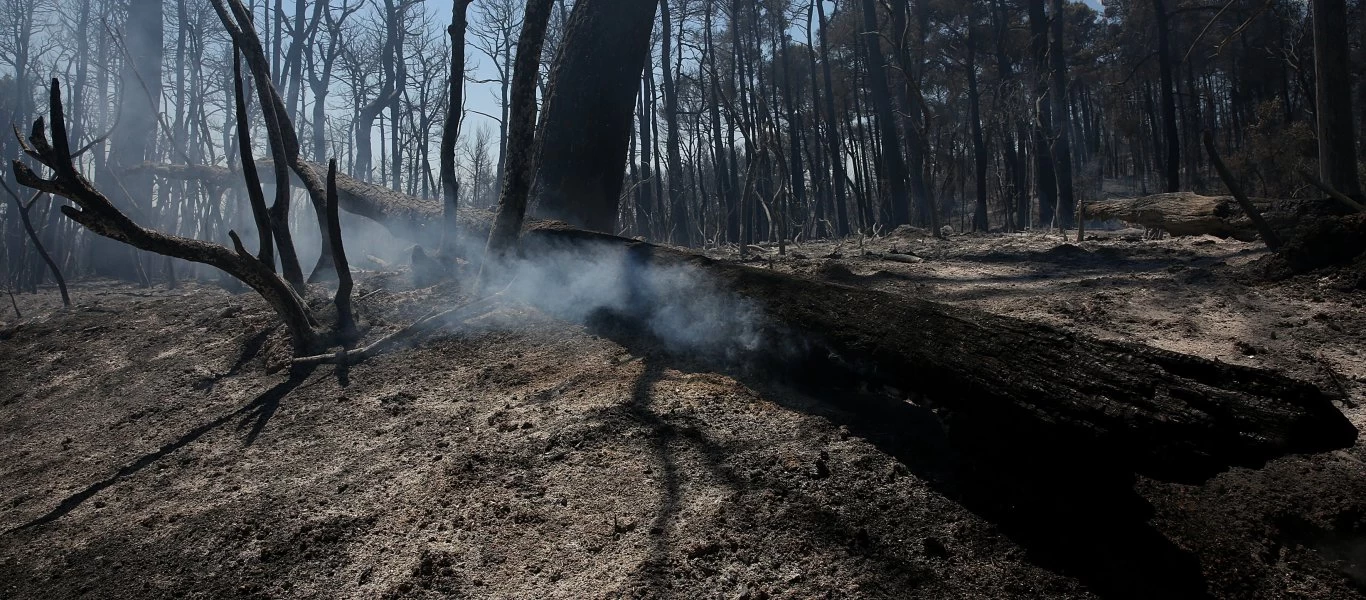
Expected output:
(980, 222)
(1045, 181)
(593, 83)
(645, 186)
(23, 211)
(912, 111)
(796, 171)
(450, 129)
(1172, 166)
(1333, 98)
(679, 232)
(730, 216)
(1159, 413)
(94, 211)
(1062, 141)
(522, 151)
(832, 130)
(284, 139)
(1269, 235)
(893, 166)
(346, 321)
(265, 248)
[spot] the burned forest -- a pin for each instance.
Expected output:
(683, 299)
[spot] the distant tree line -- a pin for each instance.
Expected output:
(751, 120)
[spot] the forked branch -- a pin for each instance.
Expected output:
(95, 212)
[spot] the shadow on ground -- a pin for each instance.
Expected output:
(1078, 517)
(260, 409)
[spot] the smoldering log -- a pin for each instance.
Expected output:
(1160, 413)
(1163, 414)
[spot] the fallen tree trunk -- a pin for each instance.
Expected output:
(1314, 233)
(403, 215)
(1188, 213)
(1164, 414)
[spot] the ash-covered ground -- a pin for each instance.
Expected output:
(145, 452)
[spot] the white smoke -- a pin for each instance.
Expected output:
(678, 304)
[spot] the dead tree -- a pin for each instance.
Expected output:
(522, 131)
(346, 321)
(95, 212)
(237, 20)
(1333, 98)
(1165, 414)
(894, 166)
(596, 76)
(265, 252)
(38, 244)
(1269, 236)
(405, 216)
(450, 129)
(1187, 213)
(1160, 413)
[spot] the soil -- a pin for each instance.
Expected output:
(146, 452)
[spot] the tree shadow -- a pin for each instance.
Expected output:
(667, 438)
(1071, 512)
(662, 435)
(263, 407)
(250, 350)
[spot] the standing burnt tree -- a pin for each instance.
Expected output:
(97, 213)
(1333, 98)
(593, 80)
(507, 222)
(450, 129)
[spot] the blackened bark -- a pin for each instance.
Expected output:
(1269, 236)
(679, 231)
(237, 20)
(1171, 169)
(832, 130)
(1045, 181)
(730, 232)
(796, 171)
(1132, 406)
(592, 85)
(645, 186)
(94, 211)
(980, 222)
(1062, 144)
(266, 250)
(346, 322)
(893, 166)
(911, 111)
(37, 243)
(1333, 98)
(522, 151)
(450, 129)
